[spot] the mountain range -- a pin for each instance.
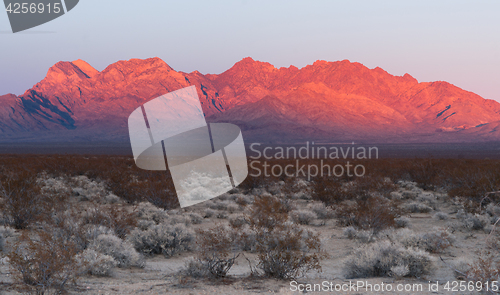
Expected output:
(339, 101)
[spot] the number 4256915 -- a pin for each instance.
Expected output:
(34, 8)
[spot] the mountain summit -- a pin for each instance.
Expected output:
(325, 101)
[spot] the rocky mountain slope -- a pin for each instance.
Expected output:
(326, 101)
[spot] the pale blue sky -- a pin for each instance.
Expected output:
(454, 40)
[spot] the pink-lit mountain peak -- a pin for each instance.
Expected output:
(341, 99)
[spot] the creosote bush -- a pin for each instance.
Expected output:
(284, 250)
(288, 252)
(22, 201)
(216, 250)
(41, 263)
(371, 213)
(268, 212)
(484, 268)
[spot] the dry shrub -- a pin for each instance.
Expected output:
(333, 191)
(216, 250)
(434, 241)
(350, 232)
(163, 239)
(115, 216)
(493, 210)
(244, 238)
(441, 216)
(485, 268)
(195, 218)
(417, 207)
(322, 211)
(469, 222)
(23, 202)
(238, 220)
(268, 212)
(122, 251)
(402, 222)
(41, 263)
(148, 211)
(209, 213)
(425, 172)
(95, 263)
(372, 213)
(195, 268)
(330, 191)
(284, 250)
(288, 252)
(303, 216)
(380, 259)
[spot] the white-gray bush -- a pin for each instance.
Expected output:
(123, 252)
(222, 215)
(303, 216)
(402, 222)
(428, 199)
(350, 232)
(396, 196)
(144, 224)
(7, 231)
(195, 268)
(435, 240)
(470, 221)
(441, 216)
(179, 219)
(209, 213)
(237, 220)
(148, 211)
(411, 195)
(233, 208)
(322, 212)
(244, 238)
(95, 263)
(366, 236)
(416, 207)
(493, 210)
(87, 189)
(196, 218)
(400, 271)
(380, 258)
(92, 231)
(219, 205)
(244, 199)
(163, 239)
